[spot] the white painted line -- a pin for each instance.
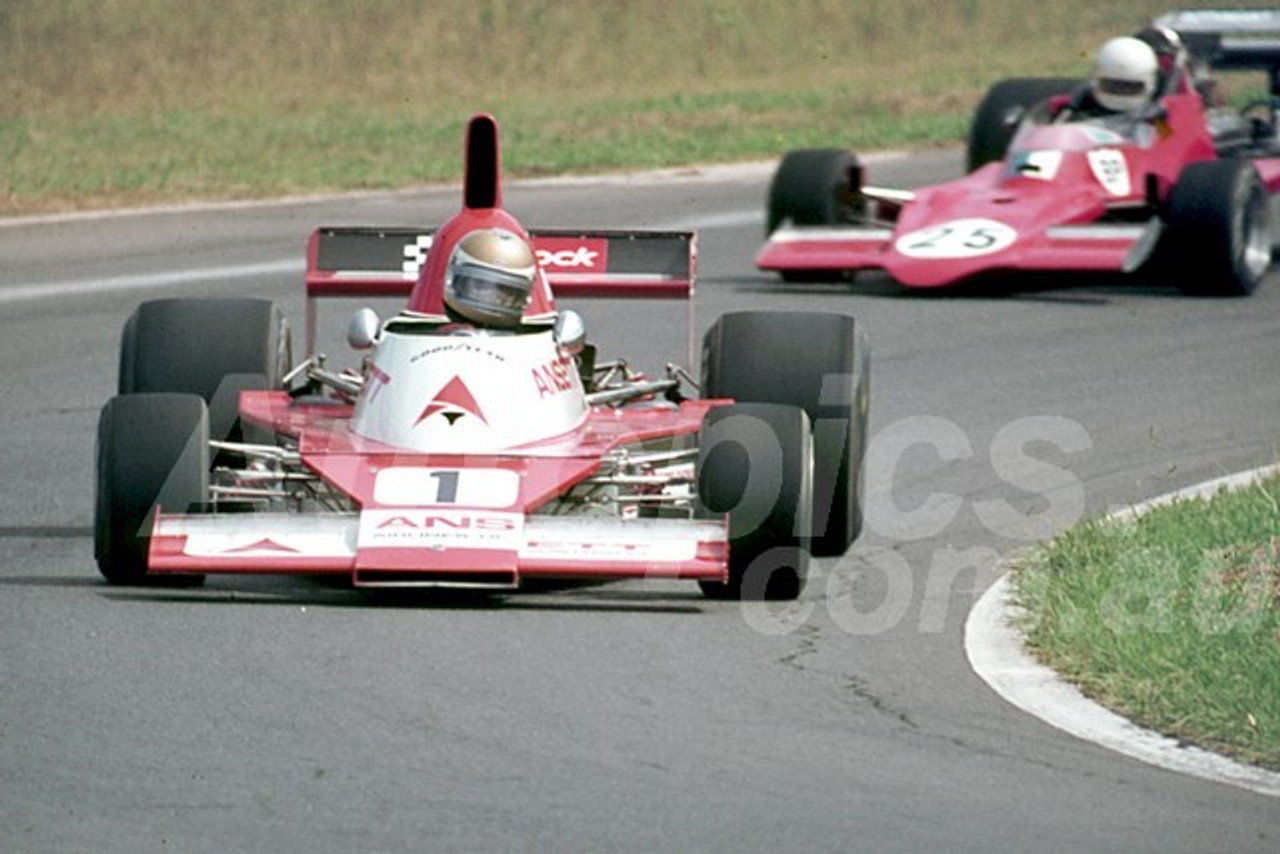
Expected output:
(146, 281)
(996, 653)
(729, 219)
(692, 174)
(709, 173)
(151, 281)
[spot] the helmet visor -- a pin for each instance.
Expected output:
(486, 295)
(1122, 88)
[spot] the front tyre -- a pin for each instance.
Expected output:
(820, 362)
(754, 466)
(814, 186)
(152, 451)
(1218, 240)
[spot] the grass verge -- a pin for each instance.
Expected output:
(181, 154)
(1171, 619)
(107, 103)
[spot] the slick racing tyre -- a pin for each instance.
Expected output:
(153, 450)
(821, 363)
(754, 466)
(1000, 111)
(1218, 240)
(213, 348)
(814, 186)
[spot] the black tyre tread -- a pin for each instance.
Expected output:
(813, 186)
(1203, 245)
(153, 448)
(211, 347)
(989, 132)
(754, 464)
(820, 362)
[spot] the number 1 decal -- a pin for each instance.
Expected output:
(961, 238)
(446, 485)
(409, 486)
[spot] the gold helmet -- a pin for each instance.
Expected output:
(490, 277)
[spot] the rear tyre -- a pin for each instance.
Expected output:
(213, 348)
(1218, 240)
(998, 113)
(754, 466)
(821, 363)
(153, 450)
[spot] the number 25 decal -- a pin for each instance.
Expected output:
(961, 238)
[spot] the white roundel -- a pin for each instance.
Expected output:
(959, 238)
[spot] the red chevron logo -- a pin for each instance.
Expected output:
(454, 401)
(263, 545)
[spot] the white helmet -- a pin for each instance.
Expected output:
(1124, 76)
(490, 277)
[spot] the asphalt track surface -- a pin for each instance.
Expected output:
(287, 714)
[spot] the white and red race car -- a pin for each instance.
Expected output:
(458, 457)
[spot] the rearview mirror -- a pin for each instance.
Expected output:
(363, 328)
(570, 332)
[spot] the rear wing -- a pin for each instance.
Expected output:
(385, 262)
(355, 262)
(1238, 39)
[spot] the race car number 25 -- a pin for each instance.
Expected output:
(961, 238)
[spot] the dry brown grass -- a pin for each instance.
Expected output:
(75, 75)
(77, 57)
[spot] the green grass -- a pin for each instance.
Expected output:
(124, 102)
(1172, 619)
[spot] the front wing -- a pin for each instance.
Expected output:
(949, 260)
(428, 547)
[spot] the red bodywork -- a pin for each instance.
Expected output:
(1074, 196)
(351, 464)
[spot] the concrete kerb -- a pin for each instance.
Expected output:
(997, 654)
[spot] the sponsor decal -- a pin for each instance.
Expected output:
(961, 238)
(265, 544)
(378, 379)
(212, 546)
(440, 529)
(554, 377)
(457, 346)
(562, 254)
(1111, 170)
(453, 401)
(415, 255)
(570, 550)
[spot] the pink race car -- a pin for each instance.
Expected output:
(480, 442)
(1143, 169)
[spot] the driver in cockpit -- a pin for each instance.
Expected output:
(489, 279)
(1125, 77)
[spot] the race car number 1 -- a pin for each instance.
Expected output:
(407, 486)
(961, 238)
